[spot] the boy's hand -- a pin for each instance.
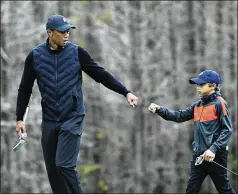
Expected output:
(209, 155)
(153, 107)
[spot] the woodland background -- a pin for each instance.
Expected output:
(154, 48)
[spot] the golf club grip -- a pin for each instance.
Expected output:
(25, 115)
(27, 109)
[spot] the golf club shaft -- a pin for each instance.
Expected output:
(226, 168)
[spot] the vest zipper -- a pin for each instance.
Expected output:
(56, 75)
(56, 78)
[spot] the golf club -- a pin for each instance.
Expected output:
(22, 140)
(200, 159)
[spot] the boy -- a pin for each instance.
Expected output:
(212, 131)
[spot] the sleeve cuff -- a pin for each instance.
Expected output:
(159, 111)
(126, 92)
(19, 118)
(213, 149)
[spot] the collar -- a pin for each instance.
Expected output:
(53, 51)
(211, 97)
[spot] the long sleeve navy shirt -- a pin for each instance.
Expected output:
(88, 65)
(212, 123)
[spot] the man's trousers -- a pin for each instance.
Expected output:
(60, 144)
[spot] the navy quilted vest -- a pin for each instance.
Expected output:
(59, 78)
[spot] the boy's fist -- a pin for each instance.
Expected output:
(153, 107)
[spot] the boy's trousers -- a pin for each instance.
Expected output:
(218, 174)
(60, 144)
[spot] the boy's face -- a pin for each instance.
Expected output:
(205, 89)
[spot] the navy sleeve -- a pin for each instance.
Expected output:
(25, 87)
(99, 74)
(225, 127)
(176, 116)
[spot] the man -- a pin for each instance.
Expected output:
(212, 132)
(57, 66)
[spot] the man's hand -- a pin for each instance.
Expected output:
(209, 155)
(21, 130)
(153, 107)
(132, 99)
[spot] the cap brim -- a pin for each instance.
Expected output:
(197, 81)
(65, 27)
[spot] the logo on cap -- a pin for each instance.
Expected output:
(64, 19)
(201, 73)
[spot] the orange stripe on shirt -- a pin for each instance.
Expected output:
(205, 113)
(222, 105)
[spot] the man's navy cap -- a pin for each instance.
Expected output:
(58, 22)
(207, 76)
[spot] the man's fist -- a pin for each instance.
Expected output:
(153, 107)
(132, 99)
(21, 130)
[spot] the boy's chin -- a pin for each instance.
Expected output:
(200, 95)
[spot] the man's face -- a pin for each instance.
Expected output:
(59, 38)
(205, 89)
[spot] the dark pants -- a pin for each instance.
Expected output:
(218, 174)
(60, 144)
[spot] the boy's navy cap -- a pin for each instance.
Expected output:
(58, 22)
(207, 76)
